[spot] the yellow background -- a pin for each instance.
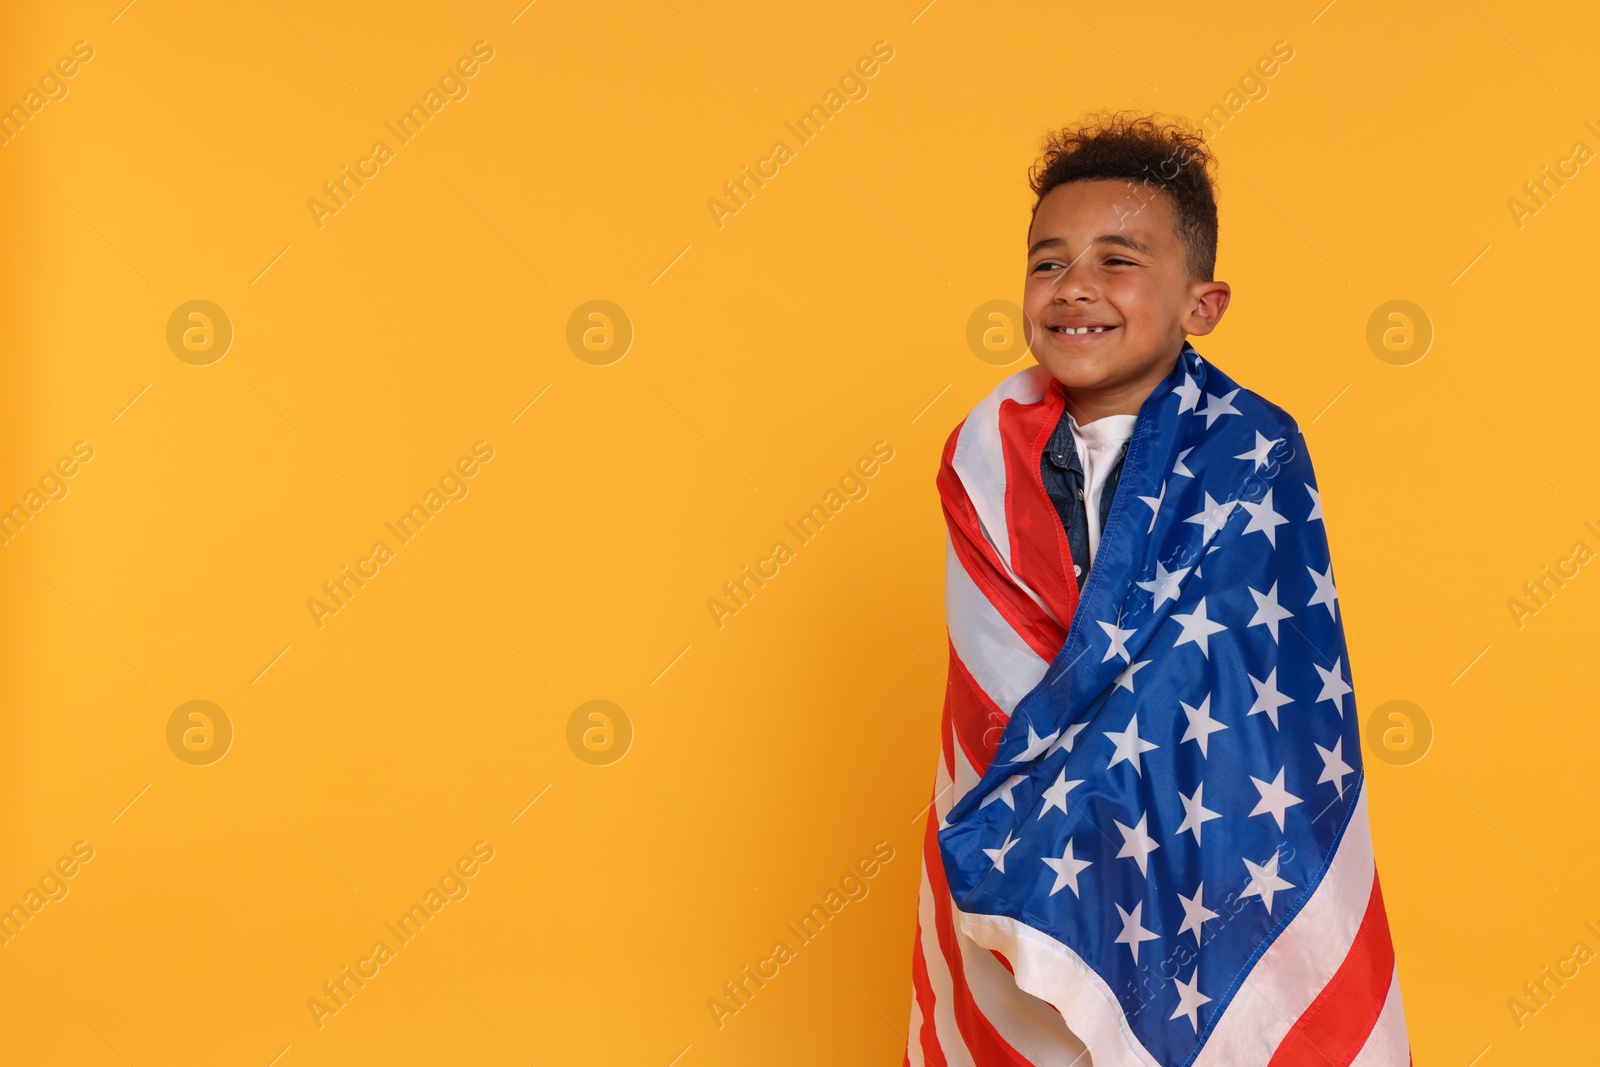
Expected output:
(769, 355)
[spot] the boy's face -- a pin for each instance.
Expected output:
(1105, 254)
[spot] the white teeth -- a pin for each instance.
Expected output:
(1085, 329)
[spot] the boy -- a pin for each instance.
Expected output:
(1149, 840)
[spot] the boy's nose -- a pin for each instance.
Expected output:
(1074, 282)
(1069, 293)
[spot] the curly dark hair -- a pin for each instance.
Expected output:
(1170, 154)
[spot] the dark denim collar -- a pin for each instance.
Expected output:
(1062, 449)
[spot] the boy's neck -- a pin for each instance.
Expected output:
(1087, 405)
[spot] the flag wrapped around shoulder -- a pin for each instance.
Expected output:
(1149, 837)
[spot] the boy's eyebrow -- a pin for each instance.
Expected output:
(1104, 239)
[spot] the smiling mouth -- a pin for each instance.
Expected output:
(1080, 331)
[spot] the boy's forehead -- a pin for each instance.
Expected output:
(1079, 212)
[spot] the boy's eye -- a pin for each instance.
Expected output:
(1051, 264)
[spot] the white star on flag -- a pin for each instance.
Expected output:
(1155, 505)
(1275, 799)
(1334, 768)
(1179, 468)
(1125, 679)
(1268, 698)
(1129, 745)
(1002, 792)
(1212, 517)
(1036, 745)
(1325, 594)
(1067, 869)
(1133, 930)
(1197, 628)
(1316, 502)
(1195, 812)
(1264, 881)
(1334, 687)
(1259, 453)
(1056, 795)
(1195, 913)
(1190, 392)
(1166, 585)
(1268, 612)
(1218, 406)
(998, 855)
(1201, 724)
(1066, 739)
(1136, 843)
(1190, 998)
(1263, 519)
(1119, 638)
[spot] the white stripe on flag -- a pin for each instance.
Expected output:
(1050, 970)
(1388, 1045)
(1027, 1024)
(999, 661)
(966, 777)
(979, 458)
(1296, 967)
(944, 1019)
(914, 1054)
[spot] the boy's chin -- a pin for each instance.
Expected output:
(1083, 373)
(1100, 371)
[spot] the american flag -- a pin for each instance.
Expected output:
(1149, 841)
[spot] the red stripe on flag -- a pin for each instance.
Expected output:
(1332, 1031)
(988, 571)
(975, 719)
(1040, 553)
(923, 989)
(988, 1048)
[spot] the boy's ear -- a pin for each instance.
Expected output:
(1207, 302)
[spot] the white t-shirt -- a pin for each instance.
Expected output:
(1098, 443)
